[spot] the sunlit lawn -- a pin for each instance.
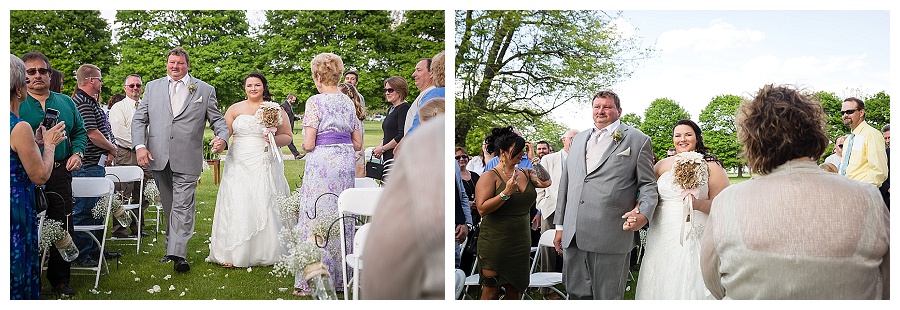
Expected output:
(135, 275)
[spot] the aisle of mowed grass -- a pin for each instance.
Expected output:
(134, 275)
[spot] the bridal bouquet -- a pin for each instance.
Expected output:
(53, 233)
(117, 211)
(269, 115)
(690, 172)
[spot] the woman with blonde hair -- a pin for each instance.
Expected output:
(350, 91)
(794, 231)
(332, 136)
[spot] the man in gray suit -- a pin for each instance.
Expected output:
(608, 171)
(176, 108)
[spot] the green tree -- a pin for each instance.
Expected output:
(878, 109)
(68, 38)
(376, 44)
(719, 131)
(529, 63)
(631, 119)
(659, 118)
(221, 51)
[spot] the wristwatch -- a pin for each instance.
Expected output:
(80, 155)
(503, 196)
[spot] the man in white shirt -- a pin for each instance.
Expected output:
(120, 121)
(422, 78)
(837, 155)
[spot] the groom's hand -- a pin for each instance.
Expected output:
(143, 157)
(217, 144)
(634, 220)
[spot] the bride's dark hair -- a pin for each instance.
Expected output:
(701, 148)
(267, 96)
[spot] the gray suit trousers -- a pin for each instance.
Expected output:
(609, 271)
(177, 192)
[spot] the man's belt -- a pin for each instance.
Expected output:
(125, 148)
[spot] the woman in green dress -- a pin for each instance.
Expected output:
(504, 198)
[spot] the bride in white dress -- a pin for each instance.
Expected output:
(671, 266)
(246, 222)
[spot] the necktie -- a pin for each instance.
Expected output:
(596, 147)
(176, 96)
(847, 149)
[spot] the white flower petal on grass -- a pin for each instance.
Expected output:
(282, 289)
(171, 287)
(93, 291)
(249, 269)
(137, 279)
(150, 290)
(222, 288)
(226, 275)
(168, 276)
(198, 251)
(108, 292)
(152, 277)
(628, 288)
(181, 295)
(133, 272)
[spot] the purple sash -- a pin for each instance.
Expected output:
(333, 137)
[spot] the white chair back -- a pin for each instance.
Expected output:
(365, 183)
(92, 187)
(360, 201)
(125, 173)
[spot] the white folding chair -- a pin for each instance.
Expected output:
(544, 279)
(355, 201)
(460, 283)
(94, 187)
(365, 183)
(127, 174)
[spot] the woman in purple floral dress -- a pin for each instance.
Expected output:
(331, 137)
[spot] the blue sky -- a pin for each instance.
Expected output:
(702, 54)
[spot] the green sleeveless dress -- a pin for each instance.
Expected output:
(504, 243)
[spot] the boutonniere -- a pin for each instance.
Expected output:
(617, 136)
(192, 88)
(626, 152)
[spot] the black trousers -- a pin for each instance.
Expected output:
(61, 202)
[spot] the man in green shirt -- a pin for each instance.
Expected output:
(67, 157)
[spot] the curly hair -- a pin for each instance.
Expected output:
(778, 125)
(327, 68)
(505, 137)
(267, 96)
(399, 85)
(351, 92)
(437, 69)
(701, 148)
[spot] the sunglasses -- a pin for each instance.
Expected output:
(133, 85)
(42, 71)
(96, 77)
(848, 112)
(462, 156)
(389, 90)
(840, 145)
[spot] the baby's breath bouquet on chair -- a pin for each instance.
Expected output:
(305, 249)
(53, 233)
(117, 211)
(269, 115)
(690, 172)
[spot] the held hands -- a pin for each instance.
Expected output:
(217, 144)
(634, 220)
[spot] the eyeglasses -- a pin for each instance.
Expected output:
(95, 77)
(848, 112)
(389, 90)
(27, 80)
(133, 85)
(462, 156)
(840, 145)
(42, 71)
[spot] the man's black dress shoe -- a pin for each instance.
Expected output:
(64, 290)
(111, 255)
(181, 265)
(165, 259)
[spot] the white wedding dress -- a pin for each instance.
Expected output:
(670, 269)
(246, 222)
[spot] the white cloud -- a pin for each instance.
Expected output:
(720, 35)
(811, 66)
(761, 65)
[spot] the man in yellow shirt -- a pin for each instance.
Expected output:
(864, 159)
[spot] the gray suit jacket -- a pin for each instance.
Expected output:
(590, 204)
(176, 138)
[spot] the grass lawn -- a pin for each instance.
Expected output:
(134, 275)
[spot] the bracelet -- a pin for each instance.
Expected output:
(503, 196)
